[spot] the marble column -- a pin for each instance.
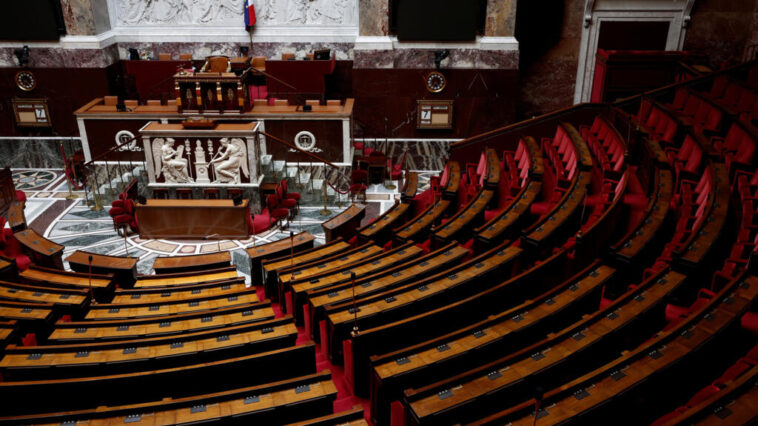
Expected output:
(79, 17)
(374, 17)
(501, 18)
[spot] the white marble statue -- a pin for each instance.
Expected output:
(230, 159)
(169, 161)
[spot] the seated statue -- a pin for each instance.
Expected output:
(229, 159)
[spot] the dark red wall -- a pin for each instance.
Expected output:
(66, 90)
(484, 100)
(328, 137)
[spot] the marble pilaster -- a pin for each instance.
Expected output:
(79, 17)
(373, 17)
(501, 18)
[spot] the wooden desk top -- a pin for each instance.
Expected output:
(734, 404)
(279, 246)
(305, 257)
(465, 215)
(16, 214)
(558, 347)
(220, 203)
(454, 178)
(26, 311)
(197, 260)
(386, 220)
(35, 242)
(221, 406)
(164, 325)
(656, 213)
(408, 296)
(558, 215)
(60, 356)
(115, 311)
(406, 253)
(670, 346)
(389, 279)
(188, 279)
(518, 207)
(25, 293)
(103, 261)
(582, 150)
(346, 215)
(478, 335)
(411, 185)
(180, 293)
(426, 219)
(73, 279)
(537, 166)
(286, 275)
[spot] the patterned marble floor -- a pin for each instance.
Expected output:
(75, 225)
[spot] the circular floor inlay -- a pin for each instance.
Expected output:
(32, 179)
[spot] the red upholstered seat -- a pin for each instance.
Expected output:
(359, 183)
(275, 212)
(20, 195)
(10, 247)
(287, 193)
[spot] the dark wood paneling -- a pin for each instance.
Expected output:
(65, 89)
(484, 100)
(328, 135)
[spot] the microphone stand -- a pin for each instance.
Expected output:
(354, 332)
(539, 393)
(91, 293)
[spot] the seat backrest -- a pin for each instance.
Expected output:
(259, 102)
(259, 62)
(164, 56)
(185, 56)
(132, 103)
(153, 102)
(333, 102)
(110, 100)
(281, 102)
(312, 102)
(271, 202)
(288, 56)
(217, 64)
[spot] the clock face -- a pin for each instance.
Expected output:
(26, 81)
(435, 82)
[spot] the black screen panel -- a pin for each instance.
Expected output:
(437, 20)
(31, 20)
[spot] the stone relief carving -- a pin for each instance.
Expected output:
(230, 159)
(169, 161)
(180, 12)
(230, 12)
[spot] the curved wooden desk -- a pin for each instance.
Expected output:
(124, 269)
(42, 251)
(171, 264)
(193, 219)
(344, 224)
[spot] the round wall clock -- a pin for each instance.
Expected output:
(26, 81)
(435, 82)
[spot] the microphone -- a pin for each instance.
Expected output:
(539, 393)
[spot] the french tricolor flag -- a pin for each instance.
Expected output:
(249, 13)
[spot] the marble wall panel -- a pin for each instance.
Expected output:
(424, 58)
(374, 17)
(501, 18)
(722, 30)
(342, 51)
(79, 17)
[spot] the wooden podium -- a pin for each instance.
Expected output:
(193, 219)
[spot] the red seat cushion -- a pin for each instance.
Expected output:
(123, 218)
(288, 202)
(20, 196)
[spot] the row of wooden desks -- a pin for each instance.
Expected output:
(344, 224)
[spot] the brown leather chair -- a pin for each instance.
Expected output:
(313, 102)
(260, 102)
(164, 56)
(281, 102)
(153, 102)
(309, 56)
(333, 102)
(259, 63)
(288, 56)
(131, 104)
(185, 56)
(217, 64)
(110, 100)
